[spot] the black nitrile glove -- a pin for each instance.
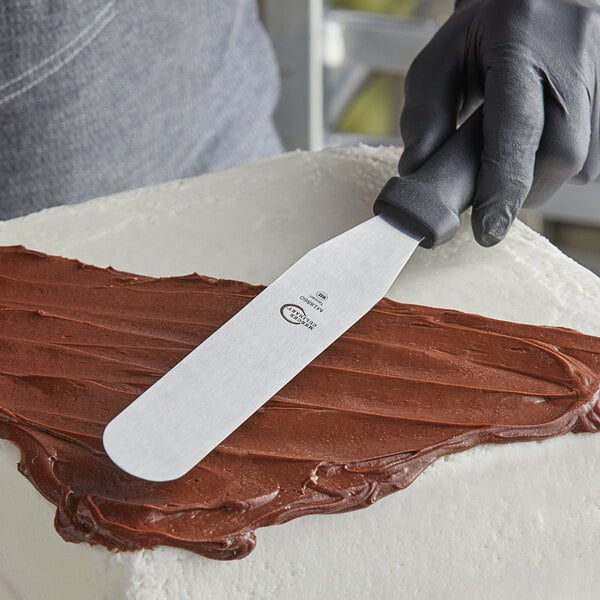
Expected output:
(535, 64)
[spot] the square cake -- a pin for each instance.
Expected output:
(497, 520)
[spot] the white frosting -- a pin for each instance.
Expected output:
(492, 522)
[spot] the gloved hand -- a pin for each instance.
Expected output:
(535, 64)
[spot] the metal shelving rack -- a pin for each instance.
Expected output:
(324, 56)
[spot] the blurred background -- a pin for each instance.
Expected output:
(342, 65)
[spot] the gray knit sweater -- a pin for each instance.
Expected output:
(99, 96)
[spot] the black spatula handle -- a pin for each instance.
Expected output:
(429, 201)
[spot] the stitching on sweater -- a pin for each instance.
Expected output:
(50, 58)
(84, 38)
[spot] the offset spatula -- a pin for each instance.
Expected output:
(212, 391)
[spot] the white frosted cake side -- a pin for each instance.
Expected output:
(514, 521)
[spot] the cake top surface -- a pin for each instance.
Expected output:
(404, 386)
(250, 224)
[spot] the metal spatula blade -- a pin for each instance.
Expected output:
(196, 405)
(213, 390)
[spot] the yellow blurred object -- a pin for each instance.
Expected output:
(402, 8)
(439, 10)
(375, 110)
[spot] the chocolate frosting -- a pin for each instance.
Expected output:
(404, 386)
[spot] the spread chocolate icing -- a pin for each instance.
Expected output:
(406, 385)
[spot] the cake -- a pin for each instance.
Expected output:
(515, 520)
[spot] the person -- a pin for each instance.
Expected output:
(535, 66)
(100, 96)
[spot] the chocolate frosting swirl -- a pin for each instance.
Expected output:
(404, 386)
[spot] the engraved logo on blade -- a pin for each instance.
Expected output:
(292, 313)
(296, 315)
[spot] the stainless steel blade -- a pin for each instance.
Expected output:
(213, 390)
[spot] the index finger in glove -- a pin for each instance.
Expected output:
(513, 120)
